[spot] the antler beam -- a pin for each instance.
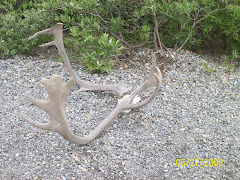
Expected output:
(56, 30)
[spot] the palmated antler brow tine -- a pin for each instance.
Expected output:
(56, 30)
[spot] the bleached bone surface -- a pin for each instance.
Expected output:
(55, 104)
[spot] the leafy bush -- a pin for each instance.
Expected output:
(96, 47)
(98, 30)
(18, 22)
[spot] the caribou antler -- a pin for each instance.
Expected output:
(58, 91)
(56, 101)
(56, 30)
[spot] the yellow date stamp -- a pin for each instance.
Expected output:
(199, 162)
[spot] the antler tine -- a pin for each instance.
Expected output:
(56, 30)
(37, 102)
(46, 31)
(48, 44)
(43, 126)
(150, 98)
(154, 61)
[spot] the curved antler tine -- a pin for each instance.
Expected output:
(37, 102)
(44, 126)
(154, 61)
(48, 44)
(150, 98)
(46, 31)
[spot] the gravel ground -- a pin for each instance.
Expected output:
(194, 116)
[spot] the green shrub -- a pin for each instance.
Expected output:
(98, 30)
(18, 22)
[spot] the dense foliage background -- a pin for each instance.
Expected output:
(101, 29)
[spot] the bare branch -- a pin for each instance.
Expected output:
(156, 31)
(155, 39)
(186, 40)
(210, 14)
(195, 23)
